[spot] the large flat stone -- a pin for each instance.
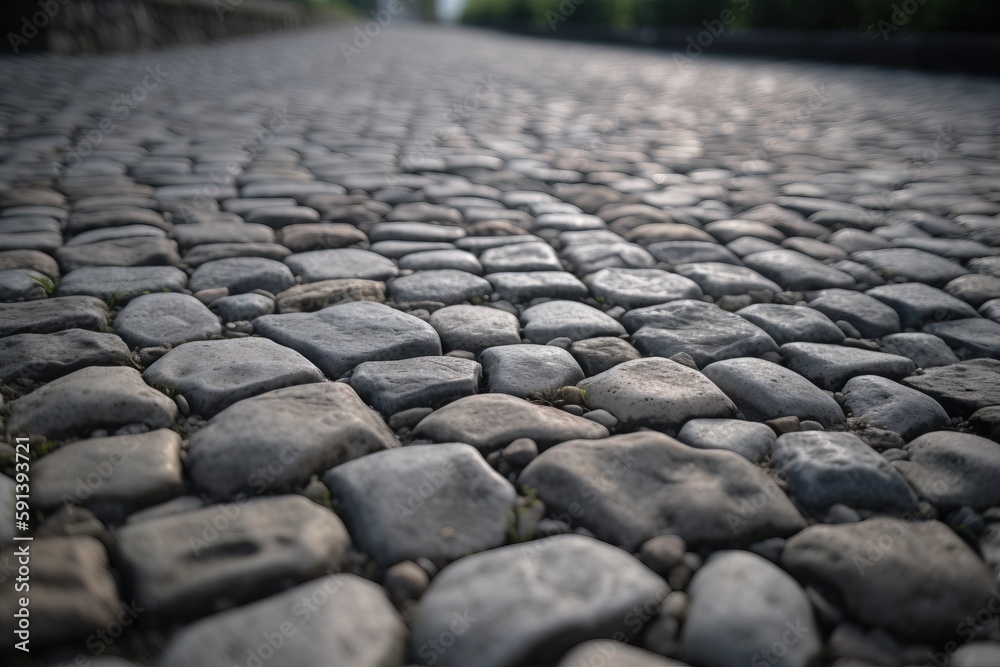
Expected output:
(242, 274)
(792, 324)
(446, 286)
(918, 580)
(120, 284)
(274, 442)
(341, 263)
(826, 468)
(916, 303)
(910, 265)
(44, 357)
(531, 602)
(475, 328)
(212, 375)
(112, 477)
(961, 388)
(521, 287)
(53, 314)
(88, 399)
(880, 403)
(340, 619)
(596, 355)
(870, 317)
(637, 288)
(193, 563)
(923, 349)
(627, 489)
(154, 320)
(977, 338)
(72, 592)
(340, 337)
(831, 366)
(308, 297)
(394, 386)
(491, 421)
(702, 330)
(440, 502)
(795, 271)
(134, 251)
(537, 256)
(656, 393)
(763, 390)
(952, 470)
(527, 370)
(719, 279)
(567, 319)
(750, 440)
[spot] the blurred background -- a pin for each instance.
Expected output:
(849, 15)
(928, 34)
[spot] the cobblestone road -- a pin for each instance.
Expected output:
(737, 317)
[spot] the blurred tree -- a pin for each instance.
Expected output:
(853, 15)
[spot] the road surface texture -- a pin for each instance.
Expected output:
(453, 348)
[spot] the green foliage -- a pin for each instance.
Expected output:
(46, 284)
(854, 15)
